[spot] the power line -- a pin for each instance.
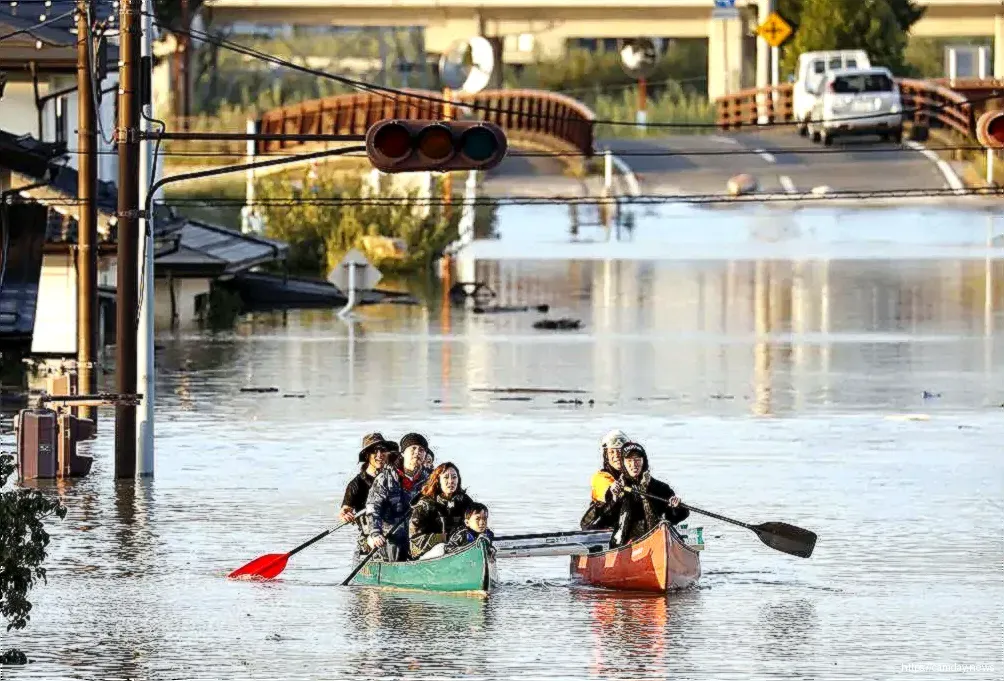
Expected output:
(307, 198)
(657, 153)
(394, 93)
(45, 21)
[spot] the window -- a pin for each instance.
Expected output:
(59, 128)
(819, 66)
(865, 82)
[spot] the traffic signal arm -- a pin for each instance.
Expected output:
(401, 145)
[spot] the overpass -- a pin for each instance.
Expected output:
(533, 29)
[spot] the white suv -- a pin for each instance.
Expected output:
(812, 68)
(854, 102)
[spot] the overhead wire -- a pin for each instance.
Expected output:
(45, 21)
(395, 93)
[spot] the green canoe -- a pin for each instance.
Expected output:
(470, 569)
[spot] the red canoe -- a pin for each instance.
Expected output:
(659, 561)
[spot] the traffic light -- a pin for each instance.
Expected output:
(990, 129)
(402, 146)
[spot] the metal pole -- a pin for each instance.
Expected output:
(249, 180)
(346, 312)
(144, 334)
(128, 213)
(642, 116)
(87, 224)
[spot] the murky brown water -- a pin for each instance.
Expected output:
(768, 391)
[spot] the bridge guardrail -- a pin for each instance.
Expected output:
(547, 116)
(931, 104)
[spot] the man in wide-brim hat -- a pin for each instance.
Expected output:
(377, 452)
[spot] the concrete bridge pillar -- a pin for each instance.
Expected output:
(725, 55)
(999, 46)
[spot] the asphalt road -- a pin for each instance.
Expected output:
(781, 162)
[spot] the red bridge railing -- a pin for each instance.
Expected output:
(933, 103)
(547, 117)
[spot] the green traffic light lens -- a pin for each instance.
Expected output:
(436, 143)
(479, 144)
(393, 141)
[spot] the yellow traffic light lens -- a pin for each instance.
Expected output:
(436, 143)
(479, 144)
(393, 141)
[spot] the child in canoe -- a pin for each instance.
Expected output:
(475, 525)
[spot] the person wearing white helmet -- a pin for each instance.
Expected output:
(606, 485)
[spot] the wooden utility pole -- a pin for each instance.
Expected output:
(127, 304)
(87, 222)
(185, 86)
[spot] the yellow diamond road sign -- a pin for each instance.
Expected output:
(775, 30)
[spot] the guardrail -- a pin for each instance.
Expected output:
(931, 103)
(546, 116)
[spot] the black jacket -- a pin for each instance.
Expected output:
(434, 520)
(357, 490)
(636, 515)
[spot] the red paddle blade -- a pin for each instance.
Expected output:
(265, 567)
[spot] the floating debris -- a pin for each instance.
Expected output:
(514, 399)
(930, 396)
(259, 390)
(535, 391)
(298, 396)
(576, 402)
(13, 657)
(495, 309)
(720, 396)
(563, 324)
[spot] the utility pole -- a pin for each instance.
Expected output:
(144, 334)
(87, 220)
(126, 304)
(186, 44)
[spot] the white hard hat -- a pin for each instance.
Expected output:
(615, 439)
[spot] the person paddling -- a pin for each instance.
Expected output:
(390, 498)
(638, 515)
(439, 513)
(606, 486)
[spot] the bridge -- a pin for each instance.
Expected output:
(533, 29)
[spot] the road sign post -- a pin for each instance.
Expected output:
(638, 57)
(775, 31)
(353, 274)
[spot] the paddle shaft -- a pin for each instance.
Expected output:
(694, 509)
(373, 552)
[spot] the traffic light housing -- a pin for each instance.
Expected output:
(403, 146)
(990, 129)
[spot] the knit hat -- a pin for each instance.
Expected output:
(633, 449)
(374, 441)
(414, 439)
(615, 439)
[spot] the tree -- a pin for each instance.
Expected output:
(871, 25)
(23, 543)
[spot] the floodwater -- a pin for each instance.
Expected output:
(861, 398)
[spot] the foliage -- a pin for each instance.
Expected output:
(678, 107)
(169, 11)
(320, 233)
(872, 25)
(23, 543)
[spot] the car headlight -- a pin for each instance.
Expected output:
(894, 109)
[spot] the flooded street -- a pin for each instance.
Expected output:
(861, 398)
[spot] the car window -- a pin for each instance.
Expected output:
(818, 66)
(851, 64)
(865, 82)
(835, 62)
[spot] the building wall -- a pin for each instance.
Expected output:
(185, 293)
(56, 315)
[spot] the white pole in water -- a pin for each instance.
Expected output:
(346, 311)
(145, 370)
(608, 171)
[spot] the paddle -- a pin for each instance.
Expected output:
(271, 564)
(781, 537)
(373, 552)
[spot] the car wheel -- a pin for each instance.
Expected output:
(884, 136)
(815, 135)
(803, 130)
(827, 139)
(897, 136)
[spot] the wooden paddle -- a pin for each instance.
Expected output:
(782, 537)
(373, 552)
(271, 564)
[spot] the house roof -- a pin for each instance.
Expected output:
(211, 250)
(26, 155)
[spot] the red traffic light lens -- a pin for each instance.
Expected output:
(393, 140)
(479, 144)
(436, 142)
